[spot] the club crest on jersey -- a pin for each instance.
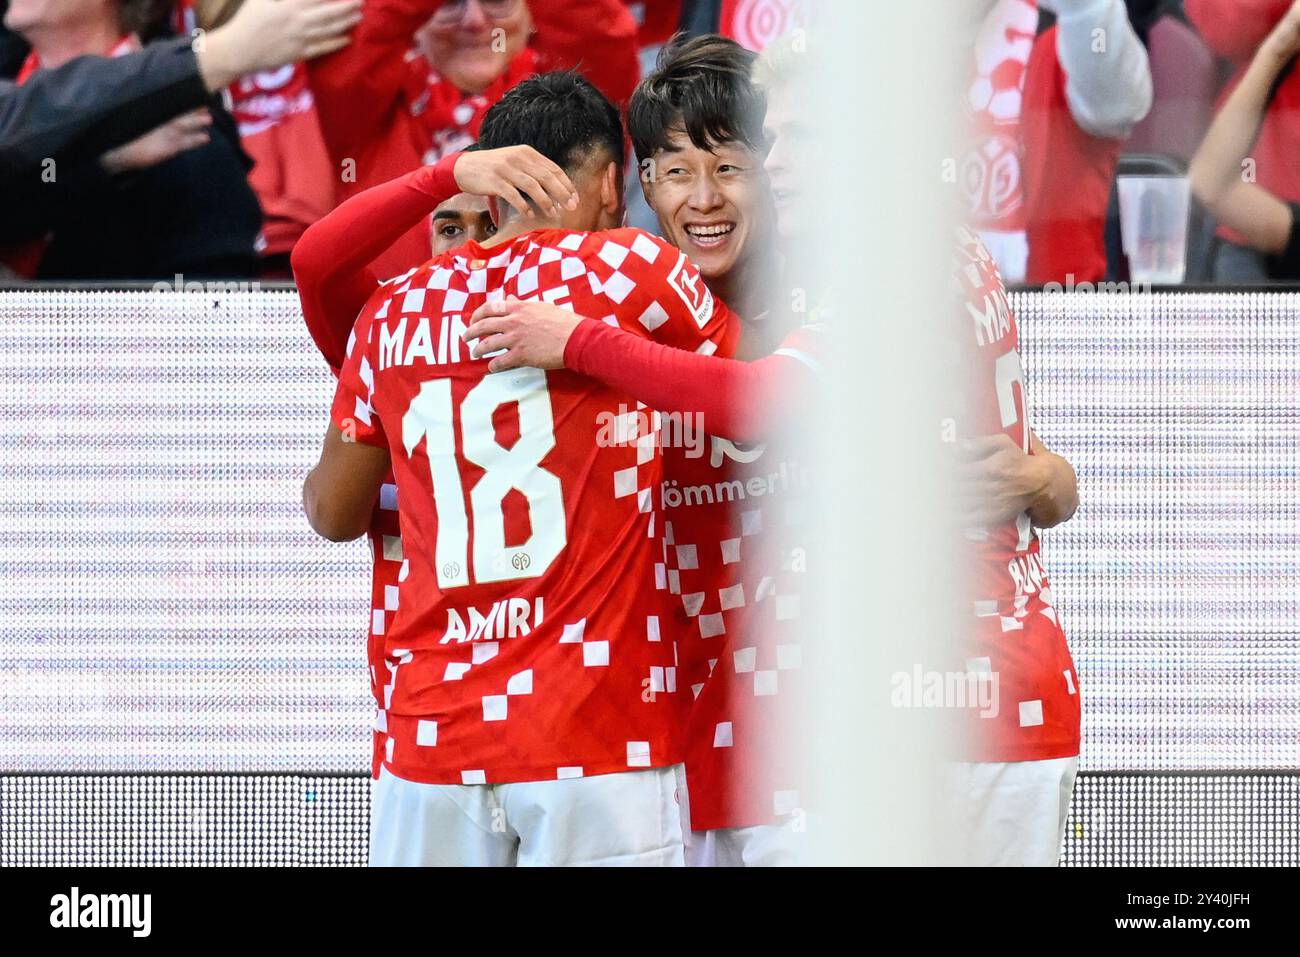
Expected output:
(688, 284)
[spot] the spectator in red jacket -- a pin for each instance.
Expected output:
(1235, 30)
(1048, 112)
(420, 75)
(292, 174)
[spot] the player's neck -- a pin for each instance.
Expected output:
(58, 45)
(747, 288)
(515, 226)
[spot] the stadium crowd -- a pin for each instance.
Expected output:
(214, 163)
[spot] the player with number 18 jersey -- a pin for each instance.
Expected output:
(526, 644)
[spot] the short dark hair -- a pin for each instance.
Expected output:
(701, 86)
(560, 115)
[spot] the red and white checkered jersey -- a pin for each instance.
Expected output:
(734, 558)
(385, 536)
(1016, 635)
(525, 639)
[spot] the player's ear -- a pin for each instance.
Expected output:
(611, 193)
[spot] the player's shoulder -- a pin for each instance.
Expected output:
(627, 246)
(972, 256)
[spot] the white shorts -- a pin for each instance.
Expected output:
(628, 819)
(1011, 813)
(765, 845)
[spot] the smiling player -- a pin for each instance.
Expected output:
(533, 713)
(698, 125)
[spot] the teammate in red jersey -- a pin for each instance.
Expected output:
(331, 267)
(461, 219)
(533, 713)
(730, 508)
(743, 402)
(1013, 792)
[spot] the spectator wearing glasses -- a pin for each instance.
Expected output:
(420, 75)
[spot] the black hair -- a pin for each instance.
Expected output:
(701, 86)
(560, 115)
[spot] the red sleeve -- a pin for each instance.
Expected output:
(353, 408)
(330, 260)
(734, 399)
(358, 88)
(597, 37)
(1234, 29)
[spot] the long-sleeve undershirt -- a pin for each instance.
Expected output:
(331, 261)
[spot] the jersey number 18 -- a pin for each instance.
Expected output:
(431, 417)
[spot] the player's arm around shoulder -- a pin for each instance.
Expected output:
(339, 493)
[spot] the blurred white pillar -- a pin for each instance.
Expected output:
(884, 571)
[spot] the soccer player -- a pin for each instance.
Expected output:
(532, 716)
(727, 773)
(463, 218)
(331, 264)
(697, 124)
(1012, 791)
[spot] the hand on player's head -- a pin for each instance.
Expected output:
(517, 333)
(572, 124)
(516, 175)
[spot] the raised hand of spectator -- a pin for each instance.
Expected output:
(266, 34)
(1109, 87)
(1284, 41)
(161, 144)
